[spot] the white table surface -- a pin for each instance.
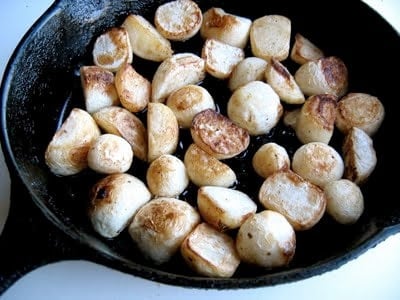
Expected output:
(373, 275)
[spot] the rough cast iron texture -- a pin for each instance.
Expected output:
(41, 85)
(29, 240)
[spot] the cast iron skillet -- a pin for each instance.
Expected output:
(41, 85)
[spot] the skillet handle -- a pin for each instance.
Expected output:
(29, 240)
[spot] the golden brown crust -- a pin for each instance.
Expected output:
(101, 194)
(110, 154)
(218, 135)
(279, 68)
(284, 84)
(209, 211)
(161, 225)
(359, 156)
(266, 239)
(112, 49)
(97, 76)
(336, 74)
(146, 41)
(217, 18)
(227, 28)
(119, 121)
(303, 50)
(323, 108)
(224, 208)
(318, 163)
(178, 20)
(196, 247)
(270, 158)
(160, 217)
(360, 110)
(270, 37)
(187, 97)
(118, 38)
(114, 200)
(176, 72)
(162, 130)
(66, 154)
(187, 101)
(205, 169)
(221, 58)
(166, 176)
(133, 89)
(301, 202)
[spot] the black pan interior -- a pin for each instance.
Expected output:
(42, 85)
